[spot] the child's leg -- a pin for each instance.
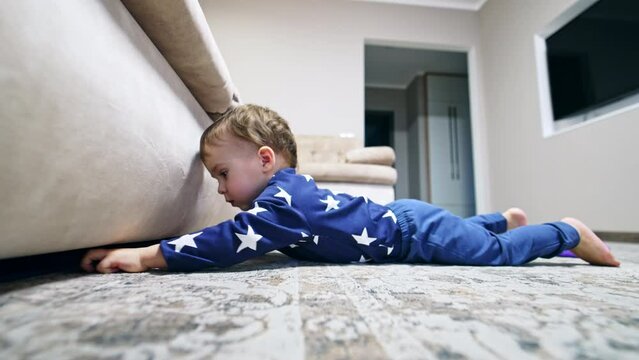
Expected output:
(501, 222)
(441, 237)
(495, 222)
(469, 244)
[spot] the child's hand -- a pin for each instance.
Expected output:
(112, 260)
(129, 260)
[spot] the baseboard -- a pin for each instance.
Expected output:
(614, 236)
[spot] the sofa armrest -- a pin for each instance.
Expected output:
(180, 32)
(377, 155)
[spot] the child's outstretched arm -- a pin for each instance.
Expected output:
(129, 260)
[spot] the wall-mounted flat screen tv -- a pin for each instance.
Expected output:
(593, 60)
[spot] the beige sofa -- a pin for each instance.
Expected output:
(101, 107)
(102, 104)
(345, 165)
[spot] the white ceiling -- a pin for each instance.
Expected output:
(473, 5)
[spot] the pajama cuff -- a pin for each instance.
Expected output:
(569, 237)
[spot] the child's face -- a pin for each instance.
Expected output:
(239, 168)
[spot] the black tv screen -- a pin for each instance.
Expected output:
(593, 60)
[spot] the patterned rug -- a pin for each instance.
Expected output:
(278, 308)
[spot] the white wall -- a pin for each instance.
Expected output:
(590, 172)
(305, 58)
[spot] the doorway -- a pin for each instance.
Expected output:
(404, 82)
(378, 128)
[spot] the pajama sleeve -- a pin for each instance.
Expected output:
(272, 224)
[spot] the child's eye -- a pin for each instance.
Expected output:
(224, 173)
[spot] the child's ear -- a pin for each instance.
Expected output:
(267, 157)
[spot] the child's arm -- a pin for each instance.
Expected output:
(129, 260)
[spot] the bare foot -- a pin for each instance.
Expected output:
(516, 217)
(590, 248)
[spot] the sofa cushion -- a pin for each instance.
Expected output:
(355, 173)
(320, 148)
(99, 136)
(378, 155)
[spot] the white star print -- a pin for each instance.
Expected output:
(389, 250)
(362, 259)
(391, 215)
(315, 238)
(308, 177)
(305, 235)
(283, 194)
(249, 240)
(330, 202)
(256, 210)
(364, 239)
(186, 240)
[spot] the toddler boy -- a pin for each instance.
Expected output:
(252, 154)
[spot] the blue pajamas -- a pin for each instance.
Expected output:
(434, 235)
(495, 222)
(299, 219)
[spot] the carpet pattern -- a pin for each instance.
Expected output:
(278, 308)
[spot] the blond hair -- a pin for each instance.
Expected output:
(256, 124)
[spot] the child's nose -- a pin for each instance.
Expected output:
(220, 189)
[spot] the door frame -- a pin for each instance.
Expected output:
(477, 121)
